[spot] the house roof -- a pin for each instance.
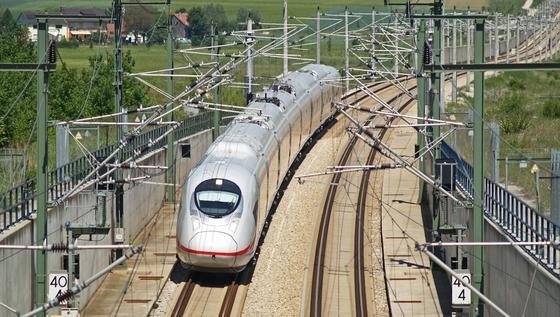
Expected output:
(82, 11)
(29, 18)
(111, 28)
(183, 18)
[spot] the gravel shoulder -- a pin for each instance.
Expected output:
(278, 285)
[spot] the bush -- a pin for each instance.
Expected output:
(514, 123)
(512, 114)
(551, 108)
(68, 44)
(516, 84)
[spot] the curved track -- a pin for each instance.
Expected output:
(320, 250)
(192, 291)
(360, 299)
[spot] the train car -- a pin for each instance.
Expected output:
(226, 198)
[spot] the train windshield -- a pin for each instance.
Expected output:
(217, 197)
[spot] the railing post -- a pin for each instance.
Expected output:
(555, 186)
(495, 140)
(5, 212)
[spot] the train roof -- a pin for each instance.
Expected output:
(246, 138)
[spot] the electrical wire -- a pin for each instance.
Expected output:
(24, 89)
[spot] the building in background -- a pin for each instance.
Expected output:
(67, 28)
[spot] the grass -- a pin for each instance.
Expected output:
(536, 3)
(146, 58)
(270, 10)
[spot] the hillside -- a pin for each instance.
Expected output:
(270, 10)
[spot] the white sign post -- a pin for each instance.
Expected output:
(460, 294)
(58, 285)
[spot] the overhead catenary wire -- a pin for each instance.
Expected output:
(205, 80)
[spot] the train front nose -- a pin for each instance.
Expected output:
(211, 250)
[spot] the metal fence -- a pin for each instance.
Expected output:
(18, 203)
(519, 221)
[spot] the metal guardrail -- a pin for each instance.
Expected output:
(518, 220)
(18, 203)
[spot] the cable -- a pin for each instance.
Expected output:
(27, 83)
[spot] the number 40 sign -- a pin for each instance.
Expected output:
(58, 284)
(460, 294)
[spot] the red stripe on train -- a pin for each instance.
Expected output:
(236, 253)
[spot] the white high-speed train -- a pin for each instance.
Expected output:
(226, 198)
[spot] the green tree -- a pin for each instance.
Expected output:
(243, 14)
(17, 91)
(101, 96)
(201, 18)
(199, 25)
(140, 20)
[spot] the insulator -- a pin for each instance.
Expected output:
(64, 296)
(427, 54)
(52, 52)
(59, 247)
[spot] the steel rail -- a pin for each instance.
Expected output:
(318, 266)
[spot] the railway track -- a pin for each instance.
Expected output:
(184, 297)
(360, 298)
(321, 246)
(201, 292)
(191, 290)
(191, 293)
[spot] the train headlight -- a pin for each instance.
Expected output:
(235, 218)
(233, 225)
(195, 223)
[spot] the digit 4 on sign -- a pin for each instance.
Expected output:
(460, 294)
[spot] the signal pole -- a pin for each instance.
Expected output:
(170, 153)
(318, 36)
(285, 72)
(421, 91)
(119, 190)
(478, 153)
(373, 30)
(42, 160)
(249, 41)
(436, 77)
(215, 58)
(346, 62)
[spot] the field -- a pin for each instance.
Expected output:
(270, 10)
